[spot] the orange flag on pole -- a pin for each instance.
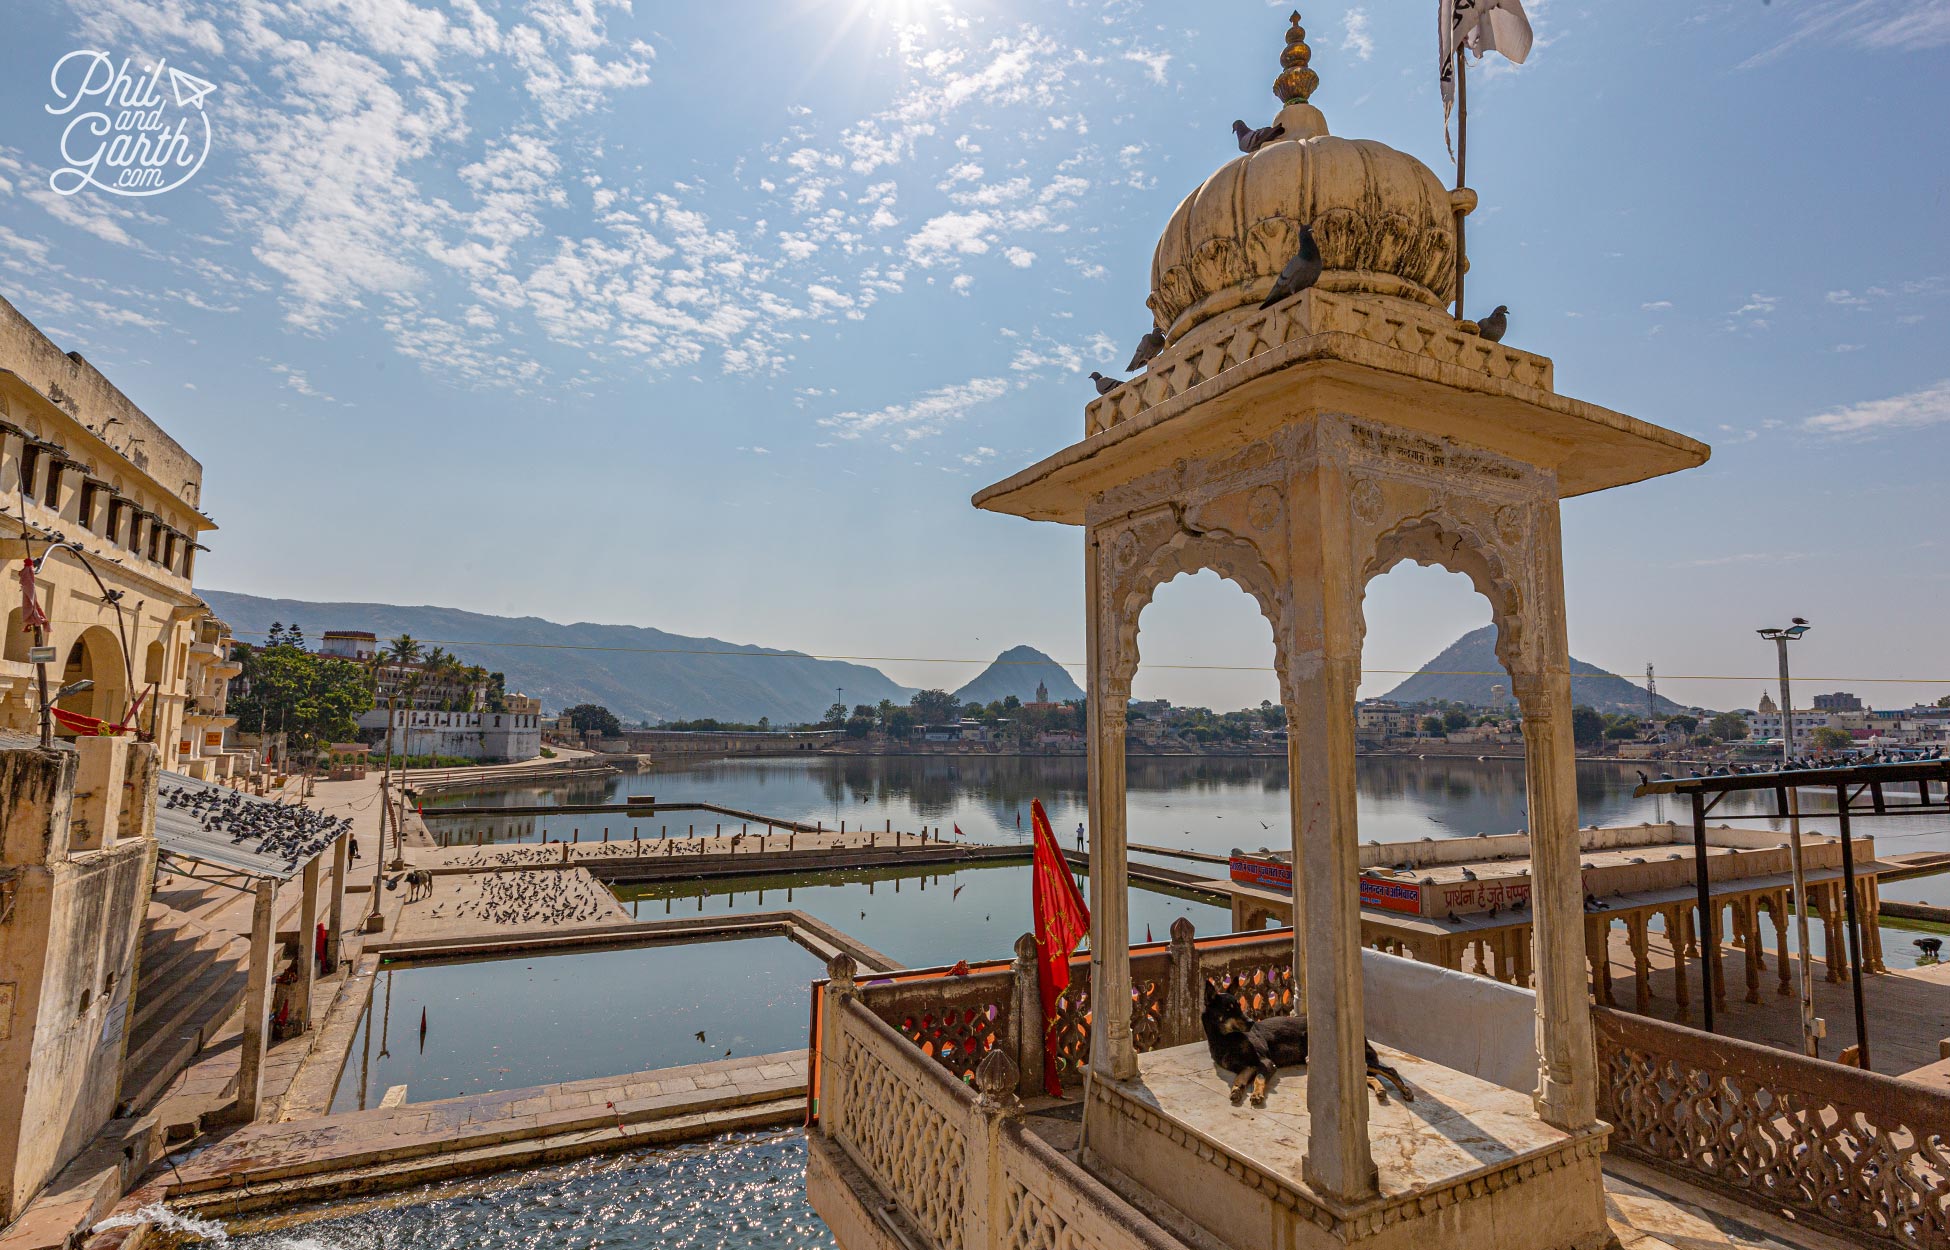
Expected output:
(1062, 920)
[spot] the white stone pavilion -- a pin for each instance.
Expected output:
(1301, 452)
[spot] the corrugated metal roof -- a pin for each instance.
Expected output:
(181, 831)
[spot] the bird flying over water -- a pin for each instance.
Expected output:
(1252, 140)
(1148, 346)
(700, 1035)
(1494, 325)
(1300, 273)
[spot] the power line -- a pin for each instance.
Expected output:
(1077, 664)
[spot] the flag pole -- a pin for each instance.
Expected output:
(1462, 162)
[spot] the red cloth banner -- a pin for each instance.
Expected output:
(31, 614)
(1062, 920)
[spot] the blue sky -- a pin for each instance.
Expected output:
(712, 317)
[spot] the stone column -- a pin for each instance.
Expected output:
(1636, 933)
(1676, 924)
(1113, 1054)
(307, 962)
(336, 920)
(1756, 964)
(257, 1001)
(1567, 1086)
(1323, 671)
(1026, 1007)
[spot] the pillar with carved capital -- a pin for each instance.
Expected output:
(1112, 1051)
(1323, 663)
(1567, 1065)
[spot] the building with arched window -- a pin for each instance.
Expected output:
(107, 505)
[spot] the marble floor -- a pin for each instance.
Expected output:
(1456, 1126)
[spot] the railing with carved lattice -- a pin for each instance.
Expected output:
(1046, 1202)
(907, 1125)
(1862, 1154)
(956, 1020)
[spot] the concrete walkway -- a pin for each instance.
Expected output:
(265, 1165)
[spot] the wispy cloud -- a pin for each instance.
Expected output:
(1744, 557)
(918, 418)
(1914, 410)
(1355, 36)
(1868, 25)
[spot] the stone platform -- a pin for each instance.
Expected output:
(1466, 1164)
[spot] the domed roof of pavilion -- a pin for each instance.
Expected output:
(1382, 219)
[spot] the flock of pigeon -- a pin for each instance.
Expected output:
(1299, 274)
(522, 898)
(1798, 764)
(288, 831)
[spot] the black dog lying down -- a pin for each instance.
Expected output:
(1255, 1049)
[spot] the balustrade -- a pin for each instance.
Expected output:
(1858, 1152)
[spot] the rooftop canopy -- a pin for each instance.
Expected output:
(229, 829)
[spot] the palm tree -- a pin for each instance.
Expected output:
(403, 649)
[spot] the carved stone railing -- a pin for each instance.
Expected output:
(949, 1162)
(1391, 324)
(1853, 1152)
(905, 1124)
(959, 1019)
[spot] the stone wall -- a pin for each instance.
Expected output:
(68, 945)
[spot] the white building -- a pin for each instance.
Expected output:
(499, 736)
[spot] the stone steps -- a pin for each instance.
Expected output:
(170, 1031)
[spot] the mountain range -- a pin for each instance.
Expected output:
(638, 673)
(1467, 671)
(641, 674)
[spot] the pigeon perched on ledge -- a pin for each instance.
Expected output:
(1148, 346)
(1105, 385)
(1251, 140)
(1300, 273)
(1494, 325)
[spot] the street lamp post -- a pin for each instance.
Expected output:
(1810, 1038)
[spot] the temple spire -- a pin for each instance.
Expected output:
(1296, 83)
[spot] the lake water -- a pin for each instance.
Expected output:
(601, 1013)
(497, 1024)
(1208, 804)
(742, 1192)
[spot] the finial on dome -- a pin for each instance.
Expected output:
(1296, 82)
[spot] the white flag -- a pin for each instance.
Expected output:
(1481, 26)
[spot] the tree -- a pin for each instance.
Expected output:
(1587, 727)
(594, 718)
(835, 715)
(934, 707)
(1687, 724)
(312, 700)
(1432, 725)
(1944, 701)
(1453, 720)
(404, 649)
(1728, 727)
(1011, 704)
(1829, 738)
(900, 723)
(765, 724)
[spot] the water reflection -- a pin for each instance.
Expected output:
(1204, 803)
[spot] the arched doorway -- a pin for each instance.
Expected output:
(96, 657)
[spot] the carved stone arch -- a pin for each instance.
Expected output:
(1235, 559)
(1440, 540)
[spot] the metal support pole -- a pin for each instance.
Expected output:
(1787, 714)
(1854, 935)
(1707, 929)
